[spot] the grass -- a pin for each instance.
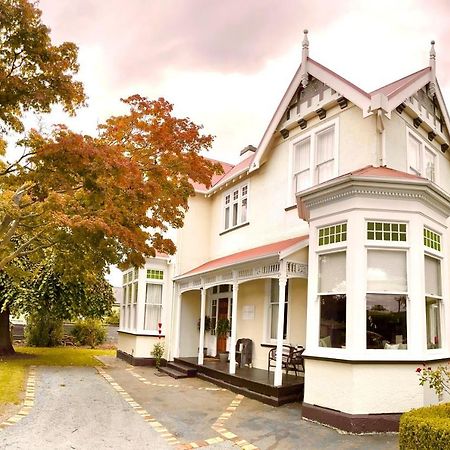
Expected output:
(13, 369)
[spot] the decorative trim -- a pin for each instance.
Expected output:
(401, 107)
(285, 133)
(417, 121)
(342, 102)
(353, 423)
(444, 147)
(431, 135)
(234, 228)
(302, 123)
(321, 113)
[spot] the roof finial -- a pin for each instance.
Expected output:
(432, 86)
(305, 53)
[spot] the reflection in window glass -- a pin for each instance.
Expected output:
(333, 310)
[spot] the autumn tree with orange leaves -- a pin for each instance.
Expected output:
(91, 201)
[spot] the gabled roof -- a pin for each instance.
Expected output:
(201, 188)
(386, 98)
(383, 172)
(264, 251)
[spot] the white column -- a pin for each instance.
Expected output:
(201, 340)
(233, 329)
(281, 306)
(177, 325)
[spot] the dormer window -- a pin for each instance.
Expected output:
(235, 206)
(314, 157)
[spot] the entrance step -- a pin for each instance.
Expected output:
(178, 370)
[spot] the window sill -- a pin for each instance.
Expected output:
(234, 228)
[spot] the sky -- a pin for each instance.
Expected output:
(226, 64)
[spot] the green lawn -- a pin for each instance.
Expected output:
(13, 369)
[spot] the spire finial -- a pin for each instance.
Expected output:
(432, 51)
(305, 53)
(305, 43)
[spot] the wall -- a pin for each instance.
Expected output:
(365, 388)
(138, 346)
(190, 313)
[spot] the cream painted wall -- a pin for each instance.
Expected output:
(192, 241)
(298, 291)
(138, 346)
(190, 313)
(365, 388)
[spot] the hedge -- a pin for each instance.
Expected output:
(426, 428)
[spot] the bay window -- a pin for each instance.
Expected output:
(153, 299)
(386, 300)
(332, 300)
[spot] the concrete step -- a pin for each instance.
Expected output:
(173, 372)
(180, 367)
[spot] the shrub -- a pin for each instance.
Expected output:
(43, 330)
(158, 353)
(426, 428)
(89, 332)
(438, 379)
(113, 318)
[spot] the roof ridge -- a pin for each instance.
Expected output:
(400, 79)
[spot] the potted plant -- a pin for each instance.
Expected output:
(222, 330)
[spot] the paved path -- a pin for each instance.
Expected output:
(125, 407)
(76, 409)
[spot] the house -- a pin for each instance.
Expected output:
(331, 235)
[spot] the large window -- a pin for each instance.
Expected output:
(129, 302)
(313, 160)
(235, 207)
(386, 302)
(333, 300)
(421, 158)
(433, 301)
(153, 306)
(274, 306)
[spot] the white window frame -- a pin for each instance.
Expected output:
(438, 298)
(153, 281)
(424, 147)
(268, 313)
(312, 136)
(238, 201)
(128, 312)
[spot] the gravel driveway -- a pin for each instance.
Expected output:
(76, 409)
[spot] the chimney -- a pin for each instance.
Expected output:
(246, 152)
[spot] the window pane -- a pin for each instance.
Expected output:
(413, 154)
(386, 271)
(235, 214)
(273, 320)
(433, 316)
(244, 210)
(333, 309)
(432, 276)
(227, 218)
(152, 311)
(325, 144)
(302, 181)
(325, 171)
(153, 294)
(301, 155)
(386, 321)
(428, 164)
(332, 272)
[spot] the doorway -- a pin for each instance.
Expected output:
(222, 313)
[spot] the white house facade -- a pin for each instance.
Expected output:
(332, 237)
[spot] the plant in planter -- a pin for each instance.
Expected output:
(222, 330)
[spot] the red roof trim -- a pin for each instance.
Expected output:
(246, 255)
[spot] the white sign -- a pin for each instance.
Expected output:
(248, 312)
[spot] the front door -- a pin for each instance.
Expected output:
(222, 313)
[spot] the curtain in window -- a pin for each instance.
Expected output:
(332, 273)
(414, 154)
(386, 271)
(428, 164)
(324, 155)
(153, 304)
(301, 165)
(432, 276)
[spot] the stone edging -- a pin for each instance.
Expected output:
(28, 402)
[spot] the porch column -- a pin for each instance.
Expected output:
(177, 324)
(233, 329)
(201, 340)
(281, 307)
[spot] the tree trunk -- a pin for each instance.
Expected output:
(6, 347)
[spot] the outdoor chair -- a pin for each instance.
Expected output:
(244, 352)
(291, 360)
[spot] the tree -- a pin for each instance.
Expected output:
(94, 201)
